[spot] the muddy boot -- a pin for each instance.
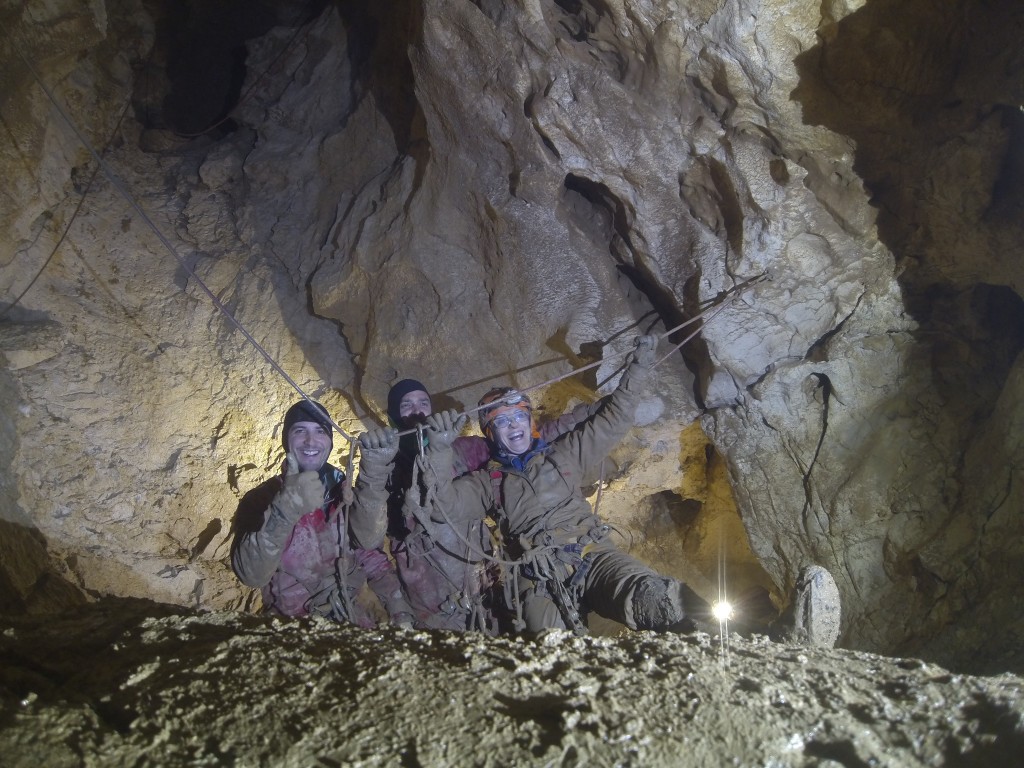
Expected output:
(814, 616)
(667, 604)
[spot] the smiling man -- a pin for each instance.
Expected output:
(408, 403)
(441, 580)
(311, 444)
(306, 538)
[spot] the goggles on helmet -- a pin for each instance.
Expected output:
(507, 419)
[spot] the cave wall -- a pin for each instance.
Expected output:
(490, 193)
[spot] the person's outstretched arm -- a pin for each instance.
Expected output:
(368, 515)
(462, 500)
(592, 440)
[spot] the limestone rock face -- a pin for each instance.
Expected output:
(498, 193)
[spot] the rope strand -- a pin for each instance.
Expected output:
(721, 302)
(123, 191)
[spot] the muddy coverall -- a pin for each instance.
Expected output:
(439, 567)
(447, 582)
(321, 563)
(565, 561)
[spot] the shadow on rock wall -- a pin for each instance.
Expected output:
(932, 101)
(930, 95)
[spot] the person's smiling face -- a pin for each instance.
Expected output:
(310, 443)
(512, 430)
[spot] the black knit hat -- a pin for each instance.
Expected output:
(304, 410)
(400, 390)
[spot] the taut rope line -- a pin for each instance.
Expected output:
(713, 309)
(120, 187)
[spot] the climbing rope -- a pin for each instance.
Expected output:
(721, 301)
(123, 191)
(711, 311)
(340, 600)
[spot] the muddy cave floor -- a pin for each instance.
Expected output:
(126, 682)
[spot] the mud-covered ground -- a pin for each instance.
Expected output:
(135, 683)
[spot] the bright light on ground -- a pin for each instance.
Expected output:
(722, 610)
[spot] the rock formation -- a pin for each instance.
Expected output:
(499, 193)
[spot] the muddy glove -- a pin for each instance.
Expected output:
(367, 515)
(444, 427)
(641, 365)
(256, 555)
(301, 494)
(379, 446)
(645, 352)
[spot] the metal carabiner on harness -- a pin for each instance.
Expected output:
(567, 607)
(420, 442)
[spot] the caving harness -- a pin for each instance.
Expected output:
(550, 564)
(554, 565)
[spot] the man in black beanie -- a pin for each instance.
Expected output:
(408, 403)
(440, 577)
(312, 428)
(308, 538)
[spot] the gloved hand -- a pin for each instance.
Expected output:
(644, 354)
(302, 491)
(379, 445)
(444, 427)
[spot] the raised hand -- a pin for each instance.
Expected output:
(379, 445)
(444, 427)
(301, 493)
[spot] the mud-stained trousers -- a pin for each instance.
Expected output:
(609, 584)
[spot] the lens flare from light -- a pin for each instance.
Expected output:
(722, 610)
